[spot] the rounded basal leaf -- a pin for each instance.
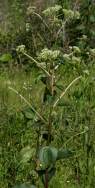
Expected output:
(47, 156)
(64, 153)
(25, 186)
(6, 57)
(26, 154)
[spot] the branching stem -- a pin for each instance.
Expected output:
(28, 103)
(37, 63)
(64, 92)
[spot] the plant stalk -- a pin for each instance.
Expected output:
(46, 178)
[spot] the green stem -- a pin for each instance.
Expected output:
(51, 105)
(64, 92)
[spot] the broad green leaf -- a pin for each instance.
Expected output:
(6, 57)
(47, 156)
(64, 153)
(54, 154)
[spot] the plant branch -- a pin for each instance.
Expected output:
(36, 62)
(64, 92)
(28, 103)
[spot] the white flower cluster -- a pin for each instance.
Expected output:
(69, 14)
(74, 56)
(92, 52)
(51, 11)
(66, 57)
(76, 49)
(28, 27)
(21, 49)
(47, 54)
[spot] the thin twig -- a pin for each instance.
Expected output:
(28, 103)
(64, 92)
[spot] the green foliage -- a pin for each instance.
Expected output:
(47, 157)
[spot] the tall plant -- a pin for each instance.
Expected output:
(48, 62)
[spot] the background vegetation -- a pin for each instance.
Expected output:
(67, 28)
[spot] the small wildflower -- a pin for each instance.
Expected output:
(92, 52)
(27, 26)
(76, 49)
(47, 54)
(21, 49)
(77, 14)
(68, 13)
(51, 11)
